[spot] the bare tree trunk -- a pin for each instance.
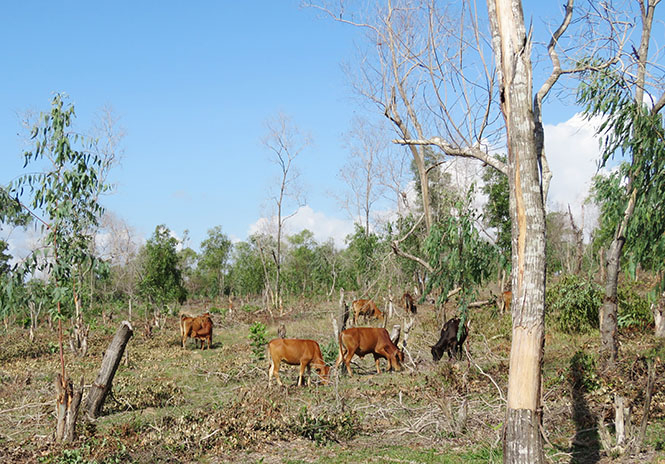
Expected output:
(343, 311)
(112, 357)
(522, 438)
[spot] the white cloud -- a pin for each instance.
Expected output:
(573, 153)
(322, 226)
(21, 241)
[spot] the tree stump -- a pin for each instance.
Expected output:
(102, 385)
(67, 408)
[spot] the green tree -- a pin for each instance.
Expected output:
(458, 255)
(299, 263)
(632, 130)
(246, 275)
(214, 258)
(161, 277)
(362, 259)
(64, 199)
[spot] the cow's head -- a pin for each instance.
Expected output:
(436, 353)
(324, 373)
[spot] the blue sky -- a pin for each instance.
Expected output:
(192, 84)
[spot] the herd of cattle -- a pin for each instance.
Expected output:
(354, 341)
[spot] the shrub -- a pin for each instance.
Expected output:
(325, 427)
(258, 340)
(634, 310)
(573, 304)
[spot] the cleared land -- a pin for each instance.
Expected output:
(213, 406)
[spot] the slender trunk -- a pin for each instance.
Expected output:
(608, 312)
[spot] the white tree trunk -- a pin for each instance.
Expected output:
(522, 437)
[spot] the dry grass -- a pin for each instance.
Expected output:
(175, 405)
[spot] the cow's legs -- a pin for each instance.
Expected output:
(274, 370)
(347, 361)
(377, 360)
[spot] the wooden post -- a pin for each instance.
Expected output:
(112, 357)
(620, 419)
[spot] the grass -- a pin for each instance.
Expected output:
(171, 404)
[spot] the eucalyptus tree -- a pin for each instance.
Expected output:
(64, 199)
(629, 97)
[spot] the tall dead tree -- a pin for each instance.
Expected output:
(438, 64)
(286, 143)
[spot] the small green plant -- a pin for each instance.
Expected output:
(248, 308)
(221, 311)
(257, 339)
(330, 351)
(583, 372)
(573, 304)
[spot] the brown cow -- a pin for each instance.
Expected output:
(365, 340)
(409, 303)
(199, 328)
(366, 308)
(305, 353)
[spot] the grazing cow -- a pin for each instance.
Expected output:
(199, 328)
(293, 351)
(409, 303)
(366, 308)
(507, 298)
(365, 340)
(449, 341)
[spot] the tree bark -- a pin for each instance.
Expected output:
(112, 357)
(522, 437)
(609, 328)
(67, 408)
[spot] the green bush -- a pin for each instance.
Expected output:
(258, 339)
(634, 309)
(325, 427)
(582, 372)
(573, 303)
(330, 351)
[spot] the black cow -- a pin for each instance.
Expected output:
(449, 341)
